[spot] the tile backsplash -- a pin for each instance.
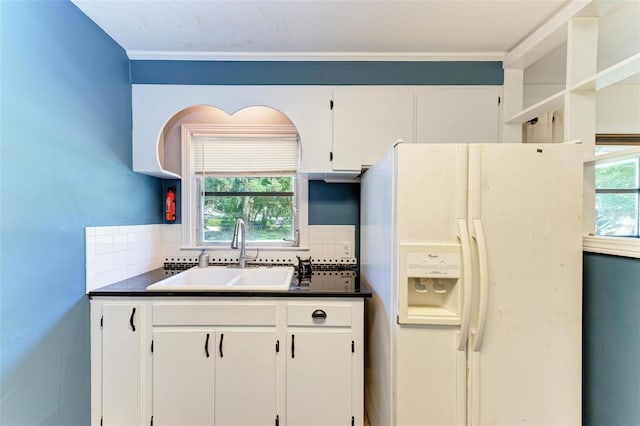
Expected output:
(115, 253)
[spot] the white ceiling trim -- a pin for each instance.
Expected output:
(315, 56)
(544, 39)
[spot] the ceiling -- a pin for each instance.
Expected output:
(319, 30)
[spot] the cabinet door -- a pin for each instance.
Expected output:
(245, 378)
(367, 121)
(122, 341)
(319, 377)
(458, 114)
(183, 374)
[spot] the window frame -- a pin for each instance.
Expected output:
(635, 190)
(191, 192)
(626, 246)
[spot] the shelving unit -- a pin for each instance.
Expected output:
(599, 81)
(594, 32)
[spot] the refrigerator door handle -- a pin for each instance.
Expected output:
(463, 236)
(478, 332)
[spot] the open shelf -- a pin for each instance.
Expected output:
(551, 103)
(599, 81)
(612, 75)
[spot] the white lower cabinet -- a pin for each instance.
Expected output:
(246, 378)
(227, 362)
(319, 377)
(121, 347)
(183, 378)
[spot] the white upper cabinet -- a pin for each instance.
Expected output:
(342, 129)
(367, 120)
(458, 114)
(154, 105)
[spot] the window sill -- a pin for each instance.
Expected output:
(249, 248)
(617, 246)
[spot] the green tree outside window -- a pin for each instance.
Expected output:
(266, 203)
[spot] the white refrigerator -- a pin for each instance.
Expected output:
(473, 253)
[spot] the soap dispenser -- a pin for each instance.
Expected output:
(203, 259)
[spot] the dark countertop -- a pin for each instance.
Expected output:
(322, 284)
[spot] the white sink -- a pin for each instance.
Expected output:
(222, 278)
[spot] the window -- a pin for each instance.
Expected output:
(241, 171)
(266, 203)
(617, 184)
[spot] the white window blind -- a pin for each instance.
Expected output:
(245, 154)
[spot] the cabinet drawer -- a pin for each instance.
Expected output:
(214, 314)
(319, 315)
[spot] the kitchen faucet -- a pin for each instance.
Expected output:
(240, 235)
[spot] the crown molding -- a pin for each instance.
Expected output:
(316, 56)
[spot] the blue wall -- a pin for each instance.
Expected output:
(316, 72)
(611, 345)
(65, 164)
(335, 204)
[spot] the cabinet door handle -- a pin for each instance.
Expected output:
(319, 313)
(133, 313)
(220, 346)
(293, 346)
(206, 346)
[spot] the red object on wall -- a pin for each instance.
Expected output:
(170, 206)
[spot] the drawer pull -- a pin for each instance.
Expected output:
(319, 313)
(133, 313)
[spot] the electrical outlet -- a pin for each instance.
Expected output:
(346, 249)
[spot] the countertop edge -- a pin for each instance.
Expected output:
(136, 287)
